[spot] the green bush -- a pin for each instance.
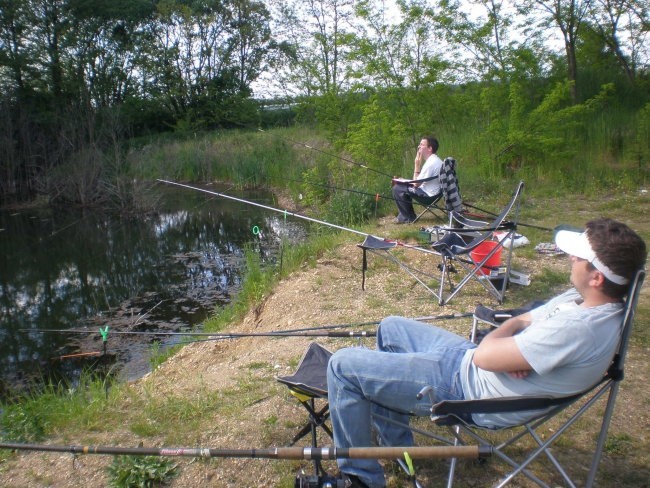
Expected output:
(350, 208)
(19, 424)
(140, 471)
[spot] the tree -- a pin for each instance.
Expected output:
(104, 42)
(568, 16)
(13, 51)
(204, 57)
(252, 36)
(631, 17)
(317, 36)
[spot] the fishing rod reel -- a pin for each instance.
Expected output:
(304, 480)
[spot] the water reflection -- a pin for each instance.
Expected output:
(61, 270)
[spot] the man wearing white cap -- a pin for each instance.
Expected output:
(557, 349)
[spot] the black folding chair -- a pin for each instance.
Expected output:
(457, 245)
(449, 189)
(309, 384)
(461, 242)
(454, 415)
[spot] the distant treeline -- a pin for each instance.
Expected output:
(87, 84)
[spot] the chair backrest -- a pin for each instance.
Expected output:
(449, 186)
(486, 232)
(618, 364)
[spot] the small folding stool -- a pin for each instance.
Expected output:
(307, 384)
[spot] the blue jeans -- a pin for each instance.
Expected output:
(410, 355)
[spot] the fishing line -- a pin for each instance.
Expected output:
(293, 214)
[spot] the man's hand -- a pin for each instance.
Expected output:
(498, 351)
(418, 161)
(522, 373)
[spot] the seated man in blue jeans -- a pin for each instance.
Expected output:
(558, 349)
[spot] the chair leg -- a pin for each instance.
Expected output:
(316, 419)
(318, 469)
(602, 437)
(417, 217)
(452, 465)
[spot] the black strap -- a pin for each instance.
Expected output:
(364, 267)
(502, 405)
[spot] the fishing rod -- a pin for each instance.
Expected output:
(307, 453)
(361, 165)
(384, 174)
(487, 213)
(222, 335)
(293, 214)
(331, 187)
(492, 214)
(217, 336)
(320, 331)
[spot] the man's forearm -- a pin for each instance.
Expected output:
(499, 352)
(417, 166)
(511, 326)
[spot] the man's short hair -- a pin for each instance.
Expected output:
(433, 143)
(620, 248)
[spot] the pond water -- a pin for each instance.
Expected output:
(86, 270)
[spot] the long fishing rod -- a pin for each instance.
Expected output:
(320, 331)
(361, 165)
(492, 214)
(293, 214)
(307, 453)
(487, 213)
(220, 335)
(349, 190)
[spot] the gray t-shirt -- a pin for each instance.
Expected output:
(569, 348)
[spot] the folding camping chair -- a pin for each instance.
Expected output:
(454, 414)
(456, 245)
(460, 245)
(430, 205)
(383, 247)
(308, 384)
(449, 189)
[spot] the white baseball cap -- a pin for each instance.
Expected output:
(577, 244)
